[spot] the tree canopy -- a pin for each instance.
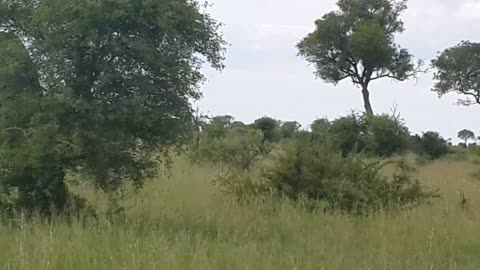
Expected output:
(466, 135)
(458, 71)
(357, 42)
(100, 86)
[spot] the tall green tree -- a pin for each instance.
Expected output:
(466, 135)
(357, 43)
(458, 71)
(104, 87)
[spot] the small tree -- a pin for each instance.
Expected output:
(466, 135)
(357, 42)
(458, 70)
(270, 128)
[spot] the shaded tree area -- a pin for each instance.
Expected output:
(99, 87)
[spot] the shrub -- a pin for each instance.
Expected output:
(430, 144)
(236, 156)
(270, 128)
(351, 184)
(390, 136)
(382, 135)
(350, 134)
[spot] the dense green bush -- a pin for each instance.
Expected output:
(350, 134)
(270, 128)
(430, 144)
(390, 135)
(288, 130)
(382, 135)
(351, 184)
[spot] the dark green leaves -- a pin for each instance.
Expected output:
(466, 135)
(109, 83)
(458, 70)
(357, 42)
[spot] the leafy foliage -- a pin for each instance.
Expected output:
(100, 86)
(458, 70)
(270, 128)
(357, 42)
(352, 184)
(289, 129)
(391, 136)
(431, 144)
(466, 135)
(237, 156)
(375, 135)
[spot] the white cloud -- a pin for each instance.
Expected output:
(470, 11)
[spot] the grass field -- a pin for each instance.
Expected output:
(184, 223)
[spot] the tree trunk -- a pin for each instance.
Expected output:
(366, 101)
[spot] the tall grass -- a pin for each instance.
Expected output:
(184, 223)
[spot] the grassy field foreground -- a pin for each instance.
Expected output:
(184, 223)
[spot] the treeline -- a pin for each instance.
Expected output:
(331, 165)
(376, 136)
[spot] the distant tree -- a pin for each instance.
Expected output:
(466, 135)
(458, 70)
(270, 128)
(289, 129)
(357, 42)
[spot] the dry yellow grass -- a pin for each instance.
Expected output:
(184, 223)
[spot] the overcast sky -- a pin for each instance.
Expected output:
(264, 77)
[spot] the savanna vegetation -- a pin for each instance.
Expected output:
(105, 165)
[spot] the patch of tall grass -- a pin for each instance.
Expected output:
(183, 222)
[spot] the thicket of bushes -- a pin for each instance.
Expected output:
(318, 171)
(335, 163)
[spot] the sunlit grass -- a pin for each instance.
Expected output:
(184, 223)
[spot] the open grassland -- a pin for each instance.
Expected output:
(184, 223)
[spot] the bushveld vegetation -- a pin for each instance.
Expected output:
(105, 165)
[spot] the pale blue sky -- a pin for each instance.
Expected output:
(263, 75)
